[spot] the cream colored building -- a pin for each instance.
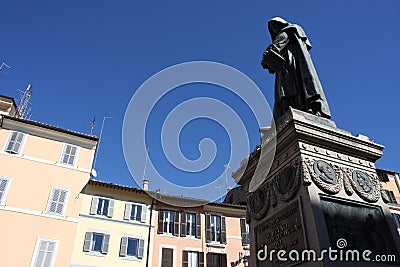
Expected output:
(42, 171)
(114, 227)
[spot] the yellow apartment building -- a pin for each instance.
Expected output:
(42, 171)
(391, 192)
(115, 227)
(190, 233)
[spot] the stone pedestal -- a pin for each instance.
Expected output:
(321, 193)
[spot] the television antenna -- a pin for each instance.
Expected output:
(226, 167)
(25, 106)
(92, 125)
(2, 67)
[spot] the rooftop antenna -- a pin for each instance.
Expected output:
(145, 163)
(25, 106)
(98, 144)
(2, 67)
(92, 125)
(220, 191)
(226, 167)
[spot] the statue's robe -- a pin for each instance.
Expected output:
(297, 85)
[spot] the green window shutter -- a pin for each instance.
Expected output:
(124, 246)
(160, 226)
(224, 260)
(198, 225)
(176, 223)
(201, 259)
(110, 210)
(128, 210)
(185, 260)
(208, 228)
(93, 207)
(143, 216)
(106, 243)
(183, 223)
(140, 248)
(88, 240)
(223, 230)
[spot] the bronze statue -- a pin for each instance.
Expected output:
(296, 80)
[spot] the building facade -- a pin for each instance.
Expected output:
(115, 227)
(211, 234)
(391, 192)
(42, 171)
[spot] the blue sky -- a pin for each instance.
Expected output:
(87, 58)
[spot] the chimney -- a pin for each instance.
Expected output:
(145, 184)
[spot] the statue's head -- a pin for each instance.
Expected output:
(275, 25)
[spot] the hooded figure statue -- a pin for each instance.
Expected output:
(296, 81)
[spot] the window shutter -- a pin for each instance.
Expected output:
(201, 259)
(93, 207)
(144, 214)
(160, 226)
(392, 197)
(53, 200)
(88, 240)
(106, 242)
(124, 246)
(61, 202)
(209, 259)
(185, 260)
(183, 223)
(128, 209)
(140, 248)
(110, 210)
(198, 225)
(223, 230)
(208, 228)
(176, 223)
(243, 231)
(224, 260)
(3, 186)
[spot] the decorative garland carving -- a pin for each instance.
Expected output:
(346, 173)
(366, 186)
(324, 175)
(283, 186)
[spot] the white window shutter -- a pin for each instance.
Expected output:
(93, 207)
(106, 242)
(61, 202)
(53, 200)
(3, 187)
(110, 210)
(128, 210)
(140, 248)
(144, 214)
(88, 240)
(124, 246)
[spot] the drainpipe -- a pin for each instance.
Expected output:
(149, 236)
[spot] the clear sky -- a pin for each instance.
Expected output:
(87, 59)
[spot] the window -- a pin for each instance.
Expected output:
(14, 143)
(191, 224)
(245, 230)
(57, 201)
(168, 222)
(69, 154)
(102, 206)
(96, 242)
(390, 196)
(167, 257)
(216, 260)
(215, 229)
(4, 182)
(192, 259)
(132, 247)
(45, 253)
(397, 219)
(135, 212)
